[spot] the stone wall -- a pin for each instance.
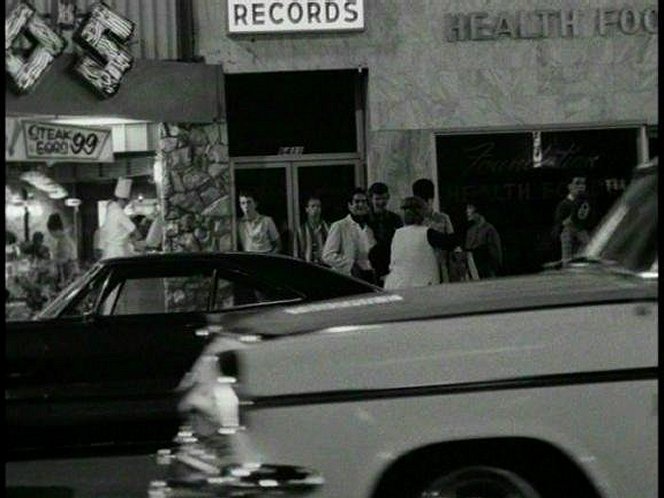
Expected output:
(195, 200)
(196, 188)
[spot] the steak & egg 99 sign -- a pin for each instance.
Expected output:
(46, 141)
(27, 140)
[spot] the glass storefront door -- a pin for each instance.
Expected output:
(282, 189)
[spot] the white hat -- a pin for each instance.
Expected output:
(123, 188)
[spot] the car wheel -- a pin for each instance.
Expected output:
(480, 482)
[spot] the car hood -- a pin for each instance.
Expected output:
(544, 290)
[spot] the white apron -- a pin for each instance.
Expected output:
(114, 233)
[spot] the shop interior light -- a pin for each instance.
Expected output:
(95, 121)
(42, 182)
(58, 194)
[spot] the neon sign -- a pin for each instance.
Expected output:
(103, 36)
(24, 73)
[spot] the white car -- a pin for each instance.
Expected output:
(540, 386)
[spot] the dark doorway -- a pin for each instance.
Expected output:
(314, 110)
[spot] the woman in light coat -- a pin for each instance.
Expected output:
(413, 262)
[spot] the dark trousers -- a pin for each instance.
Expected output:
(366, 275)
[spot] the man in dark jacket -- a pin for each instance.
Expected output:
(383, 223)
(572, 219)
(483, 241)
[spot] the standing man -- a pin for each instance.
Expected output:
(424, 189)
(256, 232)
(383, 223)
(572, 219)
(154, 238)
(350, 240)
(64, 250)
(483, 241)
(117, 229)
(312, 234)
(37, 250)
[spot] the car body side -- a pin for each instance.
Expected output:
(546, 382)
(541, 374)
(75, 379)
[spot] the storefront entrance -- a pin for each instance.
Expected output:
(516, 179)
(283, 187)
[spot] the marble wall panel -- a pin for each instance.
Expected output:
(635, 106)
(633, 78)
(434, 114)
(487, 111)
(558, 52)
(497, 83)
(419, 82)
(400, 21)
(584, 107)
(635, 49)
(575, 79)
(547, 110)
(398, 158)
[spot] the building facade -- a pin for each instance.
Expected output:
(492, 99)
(497, 102)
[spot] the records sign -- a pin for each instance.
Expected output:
(291, 16)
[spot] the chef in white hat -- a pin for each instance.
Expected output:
(117, 229)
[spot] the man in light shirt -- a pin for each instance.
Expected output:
(350, 240)
(311, 235)
(256, 232)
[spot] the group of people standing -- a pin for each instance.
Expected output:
(417, 248)
(38, 271)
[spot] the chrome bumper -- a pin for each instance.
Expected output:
(193, 474)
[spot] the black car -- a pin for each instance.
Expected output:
(100, 363)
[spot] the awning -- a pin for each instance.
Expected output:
(152, 90)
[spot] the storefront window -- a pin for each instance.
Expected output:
(518, 179)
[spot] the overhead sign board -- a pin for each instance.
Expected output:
(43, 141)
(289, 16)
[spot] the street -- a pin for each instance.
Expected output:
(90, 477)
